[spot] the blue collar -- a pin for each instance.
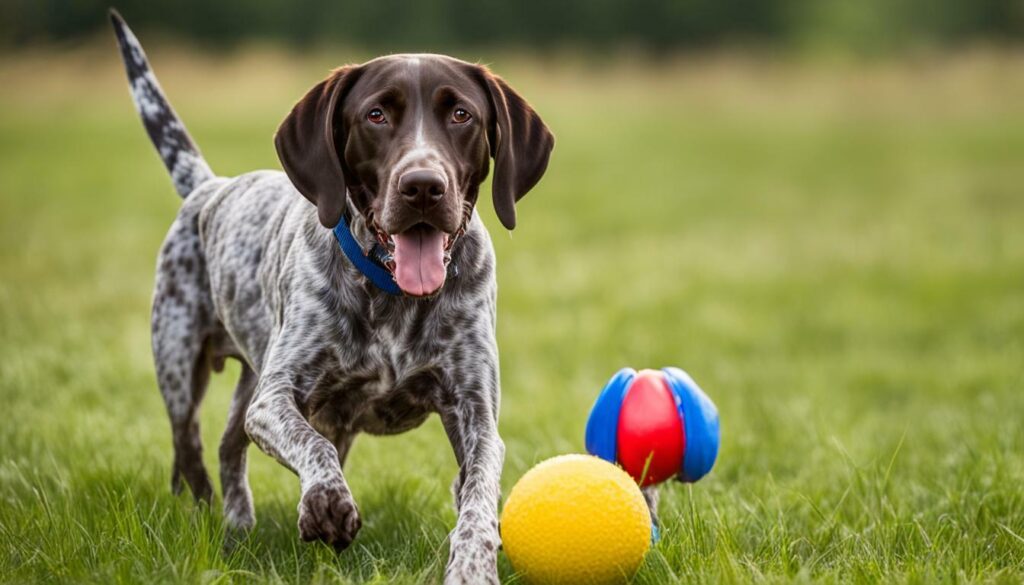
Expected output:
(371, 266)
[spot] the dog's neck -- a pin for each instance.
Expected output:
(359, 228)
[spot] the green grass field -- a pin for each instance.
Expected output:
(834, 250)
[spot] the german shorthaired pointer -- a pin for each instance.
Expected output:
(390, 154)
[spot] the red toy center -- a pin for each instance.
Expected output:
(650, 428)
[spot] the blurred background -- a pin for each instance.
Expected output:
(868, 26)
(814, 207)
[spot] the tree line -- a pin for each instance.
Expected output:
(862, 25)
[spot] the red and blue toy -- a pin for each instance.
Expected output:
(656, 424)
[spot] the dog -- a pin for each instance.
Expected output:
(357, 288)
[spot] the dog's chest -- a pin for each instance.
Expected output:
(385, 387)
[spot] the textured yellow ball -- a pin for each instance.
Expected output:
(575, 519)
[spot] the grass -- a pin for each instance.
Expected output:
(835, 251)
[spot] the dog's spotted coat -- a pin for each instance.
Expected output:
(248, 272)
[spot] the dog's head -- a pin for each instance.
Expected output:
(410, 137)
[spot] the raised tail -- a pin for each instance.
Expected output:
(180, 154)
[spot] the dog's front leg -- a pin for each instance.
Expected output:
(470, 418)
(327, 510)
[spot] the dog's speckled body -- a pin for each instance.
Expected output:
(247, 271)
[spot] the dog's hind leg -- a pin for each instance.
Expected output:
(182, 323)
(234, 444)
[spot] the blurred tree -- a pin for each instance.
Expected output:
(863, 25)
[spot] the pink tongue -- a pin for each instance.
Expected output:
(419, 261)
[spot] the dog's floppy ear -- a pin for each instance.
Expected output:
(305, 144)
(520, 144)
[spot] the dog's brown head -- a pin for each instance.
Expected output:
(410, 137)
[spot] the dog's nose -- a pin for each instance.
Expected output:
(422, 188)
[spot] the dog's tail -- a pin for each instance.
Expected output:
(181, 156)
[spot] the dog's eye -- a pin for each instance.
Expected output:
(376, 115)
(460, 116)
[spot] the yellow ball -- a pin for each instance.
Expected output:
(576, 519)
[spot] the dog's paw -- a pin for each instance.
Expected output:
(469, 573)
(327, 512)
(473, 557)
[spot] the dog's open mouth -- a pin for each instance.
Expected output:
(421, 256)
